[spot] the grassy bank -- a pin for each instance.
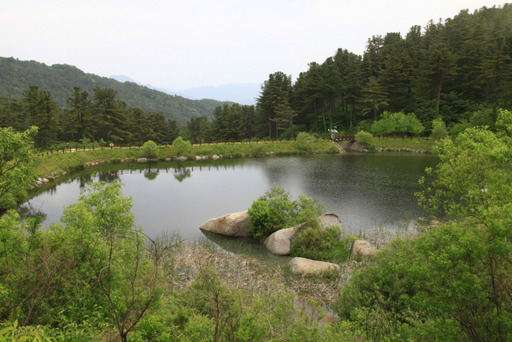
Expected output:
(412, 144)
(55, 164)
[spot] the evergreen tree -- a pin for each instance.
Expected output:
(110, 116)
(277, 87)
(77, 119)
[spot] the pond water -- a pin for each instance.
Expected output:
(367, 191)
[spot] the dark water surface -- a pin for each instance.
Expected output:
(367, 191)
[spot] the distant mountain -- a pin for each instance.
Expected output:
(123, 78)
(245, 93)
(59, 80)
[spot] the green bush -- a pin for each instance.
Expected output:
(365, 138)
(439, 130)
(304, 142)
(149, 149)
(397, 123)
(182, 147)
(319, 244)
(275, 210)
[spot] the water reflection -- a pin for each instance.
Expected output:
(180, 173)
(367, 191)
(151, 174)
(30, 211)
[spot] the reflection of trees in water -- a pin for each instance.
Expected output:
(52, 189)
(150, 173)
(28, 211)
(180, 173)
(84, 179)
(108, 176)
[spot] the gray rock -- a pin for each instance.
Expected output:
(180, 158)
(142, 160)
(363, 248)
(279, 243)
(234, 224)
(329, 220)
(215, 157)
(308, 267)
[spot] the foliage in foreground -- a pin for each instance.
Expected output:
(275, 210)
(454, 281)
(96, 264)
(15, 171)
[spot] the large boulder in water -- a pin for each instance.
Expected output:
(329, 220)
(280, 242)
(308, 267)
(234, 224)
(363, 248)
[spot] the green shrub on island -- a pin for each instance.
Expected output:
(320, 244)
(149, 149)
(275, 210)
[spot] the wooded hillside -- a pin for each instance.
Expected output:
(60, 79)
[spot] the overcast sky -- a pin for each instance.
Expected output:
(189, 43)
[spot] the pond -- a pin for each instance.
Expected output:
(367, 191)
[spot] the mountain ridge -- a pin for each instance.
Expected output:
(60, 79)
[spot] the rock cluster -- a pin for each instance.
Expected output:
(234, 224)
(279, 243)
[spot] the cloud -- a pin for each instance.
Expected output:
(181, 44)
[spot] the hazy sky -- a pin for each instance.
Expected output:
(188, 43)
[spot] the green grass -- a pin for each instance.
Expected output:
(56, 163)
(409, 143)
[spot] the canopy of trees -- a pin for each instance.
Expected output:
(86, 118)
(458, 71)
(446, 70)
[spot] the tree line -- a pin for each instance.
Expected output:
(447, 70)
(451, 74)
(97, 118)
(457, 72)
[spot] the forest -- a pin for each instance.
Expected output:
(447, 70)
(60, 79)
(457, 71)
(454, 73)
